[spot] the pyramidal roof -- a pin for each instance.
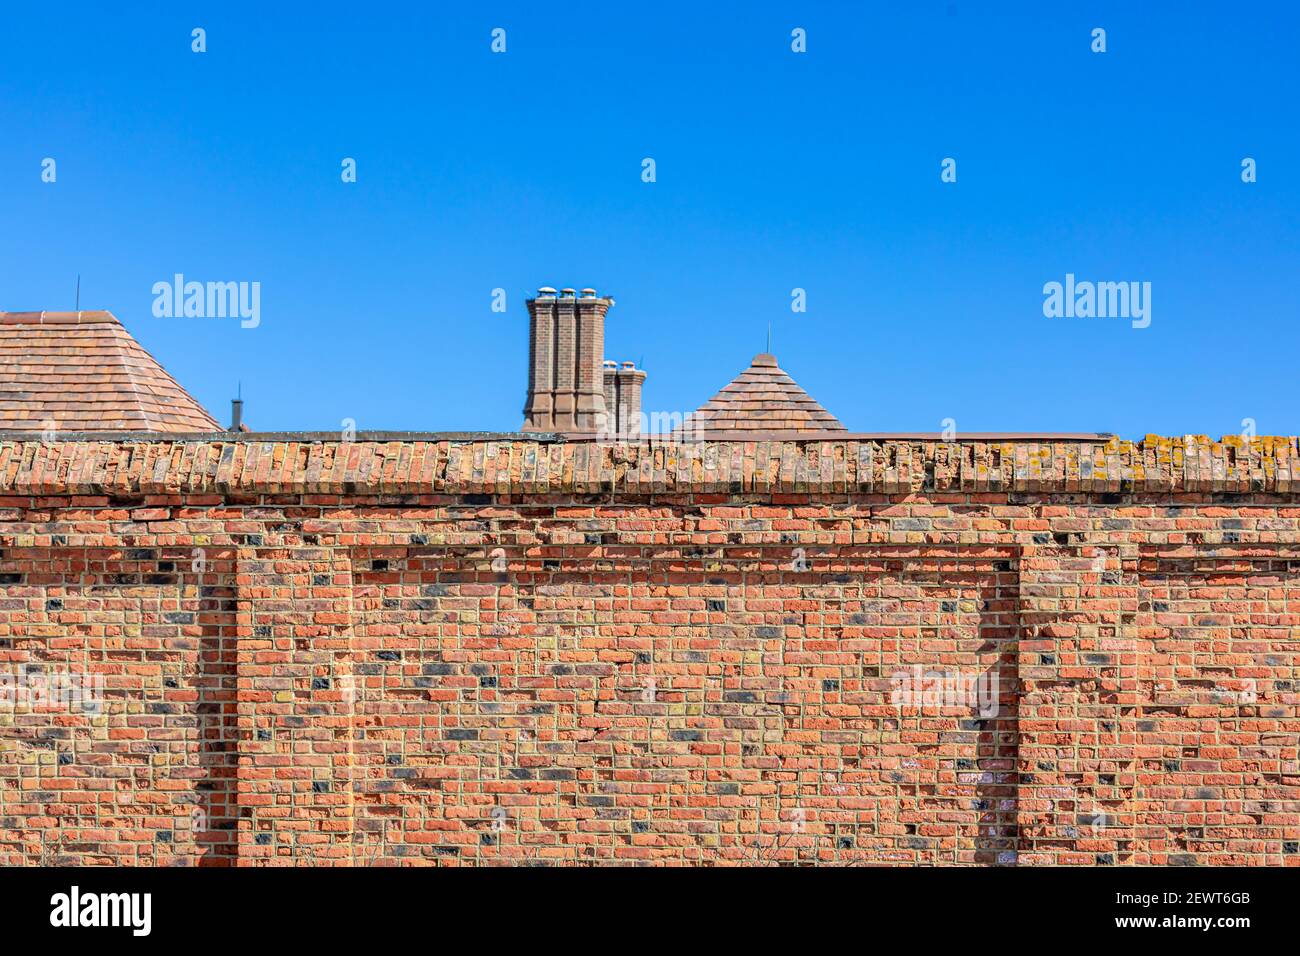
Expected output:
(83, 372)
(763, 398)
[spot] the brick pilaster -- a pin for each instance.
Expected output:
(1078, 672)
(538, 406)
(294, 705)
(565, 397)
(589, 356)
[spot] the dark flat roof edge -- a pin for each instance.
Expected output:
(552, 437)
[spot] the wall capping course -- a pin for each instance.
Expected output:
(512, 466)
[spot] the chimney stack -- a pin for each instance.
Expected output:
(566, 351)
(623, 398)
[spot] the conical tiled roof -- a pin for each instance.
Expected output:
(82, 372)
(763, 398)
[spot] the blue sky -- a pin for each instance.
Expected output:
(775, 170)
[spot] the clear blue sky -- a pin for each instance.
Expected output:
(775, 170)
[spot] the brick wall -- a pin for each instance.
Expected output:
(501, 652)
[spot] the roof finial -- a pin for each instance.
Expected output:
(769, 337)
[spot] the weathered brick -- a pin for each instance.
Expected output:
(324, 666)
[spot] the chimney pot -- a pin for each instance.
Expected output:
(566, 292)
(629, 365)
(588, 293)
(610, 363)
(546, 290)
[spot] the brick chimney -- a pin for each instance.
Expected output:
(623, 398)
(566, 346)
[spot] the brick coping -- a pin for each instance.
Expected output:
(253, 464)
(726, 435)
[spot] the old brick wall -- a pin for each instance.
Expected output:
(502, 652)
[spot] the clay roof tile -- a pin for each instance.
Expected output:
(83, 372)
(763, 398)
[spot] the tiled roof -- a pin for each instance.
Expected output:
(83, 372)
(763, 398)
